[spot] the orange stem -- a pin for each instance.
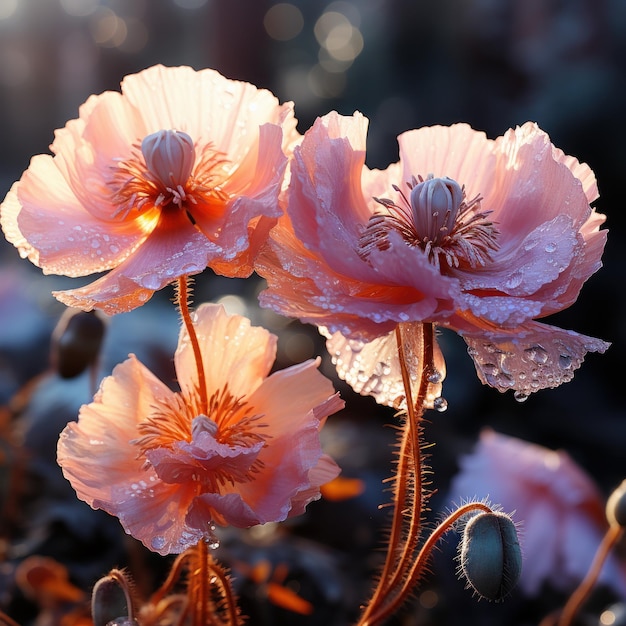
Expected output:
(183, 306)
(404, 535)
(576, 600)
(415, 572)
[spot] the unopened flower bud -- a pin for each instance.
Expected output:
(616, 506)
(111, 600)
(76, 342)
(435, 203)
(170, 156)
(490, 555)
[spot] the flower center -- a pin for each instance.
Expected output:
(170, 156)
(436, 217)
(214, 449)
(165, 171)
(172, 421)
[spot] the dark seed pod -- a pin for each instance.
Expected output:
(76, 342)
(490, 555)
(616, 506)
(110, 600)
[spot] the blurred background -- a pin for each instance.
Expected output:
(404, 63)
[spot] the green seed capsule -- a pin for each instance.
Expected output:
(490, 555)
(616, 506)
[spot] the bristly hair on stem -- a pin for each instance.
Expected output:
(197, 592)
(182, 301)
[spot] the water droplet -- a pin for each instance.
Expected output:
(565, 361)
(151, 281)
(440, 404)
(514, 280)
(537, 354)
(158, 542)
(521, 396)
(114, 249)
(434, 376)
(550, 247)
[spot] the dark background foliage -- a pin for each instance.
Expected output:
(404, 64)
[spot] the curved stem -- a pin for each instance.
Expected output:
(203, 574)
(424, 554)
(584, 589)
(404, 533)
(232, 610)
(182, 300)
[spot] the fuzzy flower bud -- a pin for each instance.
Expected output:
(111, 600)
(435, 203)
(170, 156)
(616, 506)
(490, 555)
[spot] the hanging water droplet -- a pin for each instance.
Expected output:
(521, 396)
(550, 247)
(440, 404)
(212, 542)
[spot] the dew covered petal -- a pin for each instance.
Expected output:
(532, 357)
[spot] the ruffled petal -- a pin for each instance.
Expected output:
(100, 445)
(533, 187)
(206, 105)
(240, 357)
(43, 219)
(373, 368)
(458, 152)
(529, 358)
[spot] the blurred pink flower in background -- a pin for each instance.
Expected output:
(558, 505)
(149, 455)
(179, 171)
(481, 236)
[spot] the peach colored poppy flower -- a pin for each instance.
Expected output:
(179, 171)
(473, 234)
(560, 509)
(150, 457)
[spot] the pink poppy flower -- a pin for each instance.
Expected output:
(481, 236)
(149, 456)
(558, 505)
(179, 171)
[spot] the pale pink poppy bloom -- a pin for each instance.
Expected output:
(169, 472)
(179, 171)
(558, 506)
(481, 236)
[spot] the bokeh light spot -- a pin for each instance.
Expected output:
(283, 21)
(7, 9)
(190, 4)
(79, 8)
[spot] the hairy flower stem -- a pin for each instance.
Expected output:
(409, 495)
(182, 301)
(202, 573)
(576, 600)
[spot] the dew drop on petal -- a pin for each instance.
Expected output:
(565, 361)
(151, 281)
(158, 542)
(550, 247)
(537, 354)
(514, 280)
